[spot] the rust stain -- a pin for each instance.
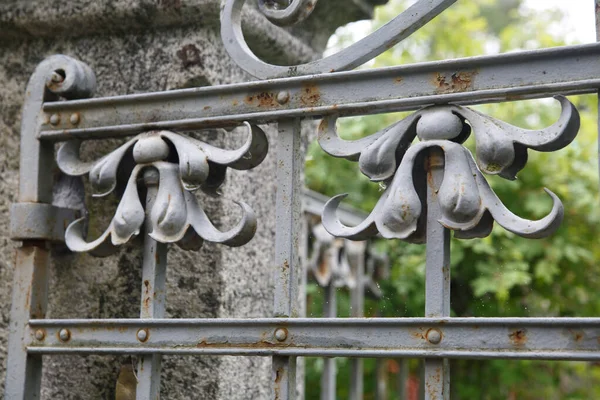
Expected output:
(420, 334)
(518, 337)
(310, 95)
(398, 79)
(261, 344)
(147, 285)
(461, 81)
(577, 335)
(207, 107)
(263, 99)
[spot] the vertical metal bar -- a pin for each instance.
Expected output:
(437, 276)
(381, 389)
(29, 299)
(290, 163)
(357, 301)
(597, 5)
(153, 295)
(402, 378)
(328, 378)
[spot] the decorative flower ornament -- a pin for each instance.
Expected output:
(183, 165)
(469, 206)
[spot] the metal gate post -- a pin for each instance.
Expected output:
(153, 292)
(329, 374)
(437, 277)
(288, 226)
(35, 221)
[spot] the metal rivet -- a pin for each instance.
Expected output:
(55, 119)
(40, 334)
(434, 336)
(283, 97)
(74, 118)
(142, 335)
(281, 334)
(57, 78)
(64, 335)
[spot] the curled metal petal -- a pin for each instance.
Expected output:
(103, 172)
(458, 195)
(335, 146)
(513, 223)
(251, 154)
(126, 223)
(169, 211)
(291, 14)
(193, 162)
(380, 159)
(501, 148)
(405, 24)
(78, 80)
(239, 235)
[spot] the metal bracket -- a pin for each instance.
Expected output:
(39, 221)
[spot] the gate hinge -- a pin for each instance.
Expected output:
(40, 221)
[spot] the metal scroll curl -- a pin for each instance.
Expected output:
(469, 206)
(289, 12)
(182, 165)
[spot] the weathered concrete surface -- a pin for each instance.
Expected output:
(139, 46)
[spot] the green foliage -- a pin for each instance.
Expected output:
(502, 275)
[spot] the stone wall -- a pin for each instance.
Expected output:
(137, 46)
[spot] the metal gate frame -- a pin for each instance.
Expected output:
(171, 164)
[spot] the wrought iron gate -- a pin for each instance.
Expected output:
(433, 186)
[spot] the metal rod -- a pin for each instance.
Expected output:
(597, 12)
(153, 296)
(476, 338)
(357, 300)
(402, 381)
(29, 300)
(288, 225)
(506, 77)
(328, 377)
(437, 278)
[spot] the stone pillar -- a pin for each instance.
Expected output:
(137, 46)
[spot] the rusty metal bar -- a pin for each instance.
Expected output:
(29, 300)
(437, 277)
(329, 374)
(153, 291)
(473, 338)
(506, 77)
(288, 226)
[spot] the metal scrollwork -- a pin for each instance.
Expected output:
(289, 12)
(179, 165)
(469, 206)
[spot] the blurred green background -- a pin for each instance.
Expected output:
(502, 275)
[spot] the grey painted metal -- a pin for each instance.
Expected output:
(153, 290)
(177, 216)
(288, 225)
(313, 203)
(388, 157)
(39, 221)
(360, 52)
(29, 300)
(437, 275)
(329, 374)
(506, 77)
(476, 338)
(30, 285)
(358, 254)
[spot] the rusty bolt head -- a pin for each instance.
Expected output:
(56, 77)
(55, 119)
(281, 334)
(283, 97)
(64, 335)
(142, 335)
(74, 119)
(434, 336)
(40, 334)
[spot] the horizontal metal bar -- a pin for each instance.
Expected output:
(505, 77)
(476, 338)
